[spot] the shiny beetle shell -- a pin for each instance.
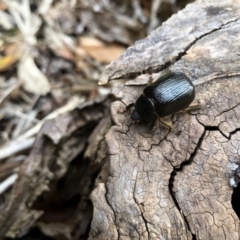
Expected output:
(169, 94)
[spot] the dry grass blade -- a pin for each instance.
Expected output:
(27, 22)
(7, 183)
(8, 168)
(26, 140)
(6, 20)
(15, 146)
(5, 94)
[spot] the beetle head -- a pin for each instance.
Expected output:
(144, 110)
(135, 116)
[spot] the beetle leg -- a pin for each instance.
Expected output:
(166, 123)
(193, 106)
(166, 71)
(150, 81)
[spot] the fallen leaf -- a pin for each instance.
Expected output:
(3, 6)
(99, 51)
(105, 54)
(90, 42)
(6, 62)
(12, 53)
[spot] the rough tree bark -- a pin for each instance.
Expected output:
(164, 185)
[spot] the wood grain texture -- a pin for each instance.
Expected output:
(166, 184)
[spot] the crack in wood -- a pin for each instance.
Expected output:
(167, 64)
(172, 179)
(111, 207)
(199, 38)
(144, 219)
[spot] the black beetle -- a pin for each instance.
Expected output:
(169, 94)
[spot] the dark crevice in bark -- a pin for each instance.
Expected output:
(172, 193)
(145, 222)
(188, 162)
(199, 38)
(233, 132)
(172, 179)
(194, 237)
(236, 200)
(109, 204)
(216, 128)
(212, 128)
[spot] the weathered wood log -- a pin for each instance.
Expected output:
(164, 185)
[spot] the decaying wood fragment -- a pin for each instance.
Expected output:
(59, 141)
(176, 184)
